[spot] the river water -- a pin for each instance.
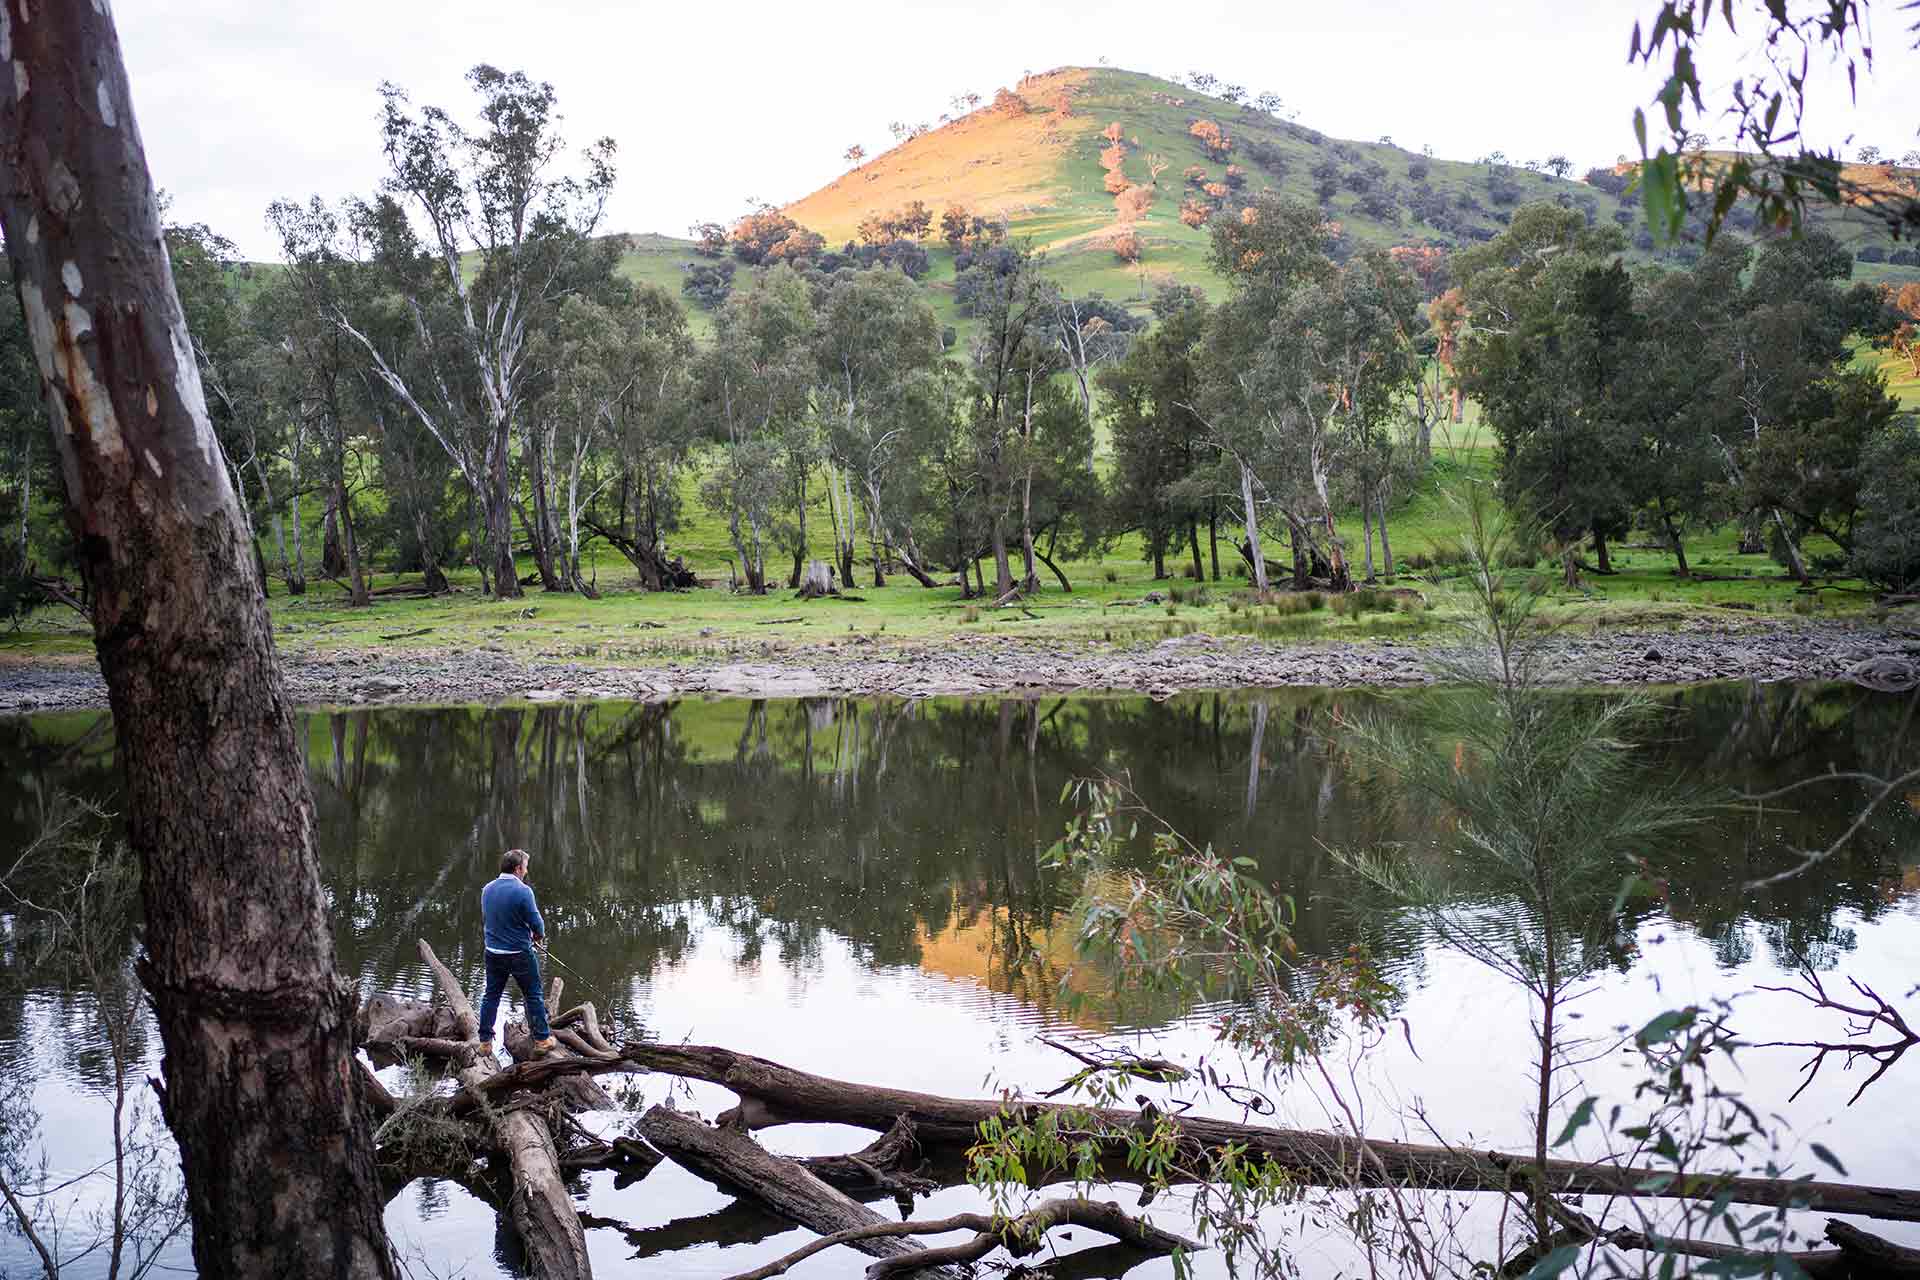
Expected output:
(857, 888)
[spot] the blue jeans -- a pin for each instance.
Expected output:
(524, 969)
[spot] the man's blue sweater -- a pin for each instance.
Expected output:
(512, 916)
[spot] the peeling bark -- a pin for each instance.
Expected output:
(239, 956)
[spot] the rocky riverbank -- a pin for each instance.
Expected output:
(988, 665)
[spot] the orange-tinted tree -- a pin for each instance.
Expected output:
(768, 235)
(1427, 263)
(1218, 145)
(1195, 212)
(1906, 338)
(1134, 202)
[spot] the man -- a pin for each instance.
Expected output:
(513, 929)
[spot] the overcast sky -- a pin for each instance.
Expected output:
(243, 101)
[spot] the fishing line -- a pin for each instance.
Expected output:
(547, 952)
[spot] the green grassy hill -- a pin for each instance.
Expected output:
(1040, 170)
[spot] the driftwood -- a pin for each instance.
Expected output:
(633, 1160)
(735, 1161)
(543, 1213)
(888, 1164)
(771, 1094)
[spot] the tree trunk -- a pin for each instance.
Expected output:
(1302, 555)
(1386, 547)
(434, 580)
(1213, 536)
(736, 1162)
(499, 516)
(333, 560)
(1250, 514)
(349, 542)
(540, 529)
(1047, 560)
(1031, 582)
(1193, 543)
(255, 1020)
(1796, 563)
(1002, 571)
(1602, 562)
(279, 531)
(1673, 540)
(1159, 550)
(1366, 531)
(26, 494)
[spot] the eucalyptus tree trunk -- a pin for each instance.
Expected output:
(540, 529)
(357, 593)
(1250, 514)
(1386, 545)
(903, 545)
(1366, 532)
(295, 585)
(256, 1023)
(26, 497)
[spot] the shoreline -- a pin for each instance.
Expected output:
(1763, 651)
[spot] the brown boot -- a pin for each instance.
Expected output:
(544, 1047)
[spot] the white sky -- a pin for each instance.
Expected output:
(243, 101)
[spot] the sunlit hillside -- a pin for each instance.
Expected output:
(1035, 159)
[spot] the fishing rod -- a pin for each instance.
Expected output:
(547, 952)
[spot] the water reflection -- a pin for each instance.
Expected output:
(719, 864)
(913, 830)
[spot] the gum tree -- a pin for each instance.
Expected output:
(257, 1024)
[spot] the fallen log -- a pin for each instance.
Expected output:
(772, 1094)
(735, 1161)
(886, 1165)
(543, 1213)
(1019, 1236)
(630, 1158)
(386, 1020)
(1858, 1255)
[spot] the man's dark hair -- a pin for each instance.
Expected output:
(512, 860)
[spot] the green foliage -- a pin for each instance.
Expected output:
(1534, 802)
(1886, 548)
(1770, 164)
(1195, 926)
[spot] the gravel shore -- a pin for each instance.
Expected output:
(1765, 651)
